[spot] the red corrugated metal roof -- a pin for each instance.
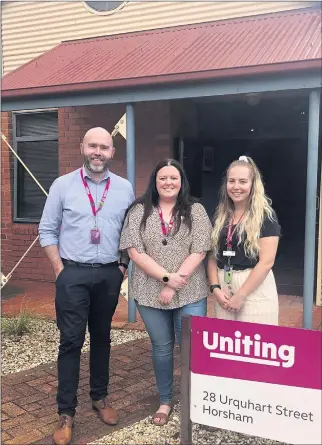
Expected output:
(199, 51)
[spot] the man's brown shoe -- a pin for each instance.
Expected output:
(105, 411)
(63, 434)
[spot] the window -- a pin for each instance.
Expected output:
(36, 142)
(103, 6)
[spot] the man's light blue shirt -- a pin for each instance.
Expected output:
(67, 219)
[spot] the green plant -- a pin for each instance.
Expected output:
(20, 324)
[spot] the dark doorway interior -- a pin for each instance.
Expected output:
(273, 131)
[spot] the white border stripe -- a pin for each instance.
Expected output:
(238, 358)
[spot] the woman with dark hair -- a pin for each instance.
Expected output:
(167, 235)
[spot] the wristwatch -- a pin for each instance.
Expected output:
(213, 287)
(166, 277)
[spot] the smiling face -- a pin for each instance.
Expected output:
(168, 182)
(97, 149)
(239, 183)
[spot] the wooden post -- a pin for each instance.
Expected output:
(185, 422)
(310, 212)
(319, 271)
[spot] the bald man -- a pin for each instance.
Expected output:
(80, 231)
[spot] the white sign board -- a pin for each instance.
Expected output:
(256, 379)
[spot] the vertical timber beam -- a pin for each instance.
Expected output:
(185, 419)
(310, 214)
(319, 268)
(130, 163)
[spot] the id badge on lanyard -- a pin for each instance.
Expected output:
(229, 253)
(165, 231)
(228, 270)
(95, 235)
(228, 274)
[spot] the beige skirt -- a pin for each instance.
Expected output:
(261, 306)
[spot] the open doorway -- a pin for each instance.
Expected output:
(272, 129)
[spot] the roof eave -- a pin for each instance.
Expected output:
(164, 79)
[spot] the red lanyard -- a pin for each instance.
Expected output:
(163, 226)
(90, 197)
(230, 232)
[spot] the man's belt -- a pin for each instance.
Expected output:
(77, 264)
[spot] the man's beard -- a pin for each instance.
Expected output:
(96, 168)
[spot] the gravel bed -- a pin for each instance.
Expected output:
(144, 432)
(41, 346)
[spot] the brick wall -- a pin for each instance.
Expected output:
(153, 142)
(153, 136)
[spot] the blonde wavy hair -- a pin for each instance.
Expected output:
(258, 207)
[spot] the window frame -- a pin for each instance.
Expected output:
(108, 12)
(15, 141)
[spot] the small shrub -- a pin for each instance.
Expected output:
(20, 324)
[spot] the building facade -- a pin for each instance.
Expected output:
(47, 136)
(31, 28)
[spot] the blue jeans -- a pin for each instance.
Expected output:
(163, 325)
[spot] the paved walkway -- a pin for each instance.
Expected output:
(28, 397)
(39, 297)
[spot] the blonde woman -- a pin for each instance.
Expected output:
(244, 240)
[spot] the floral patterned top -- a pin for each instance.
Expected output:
(145, 289)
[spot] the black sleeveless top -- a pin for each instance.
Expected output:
(240, 261)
